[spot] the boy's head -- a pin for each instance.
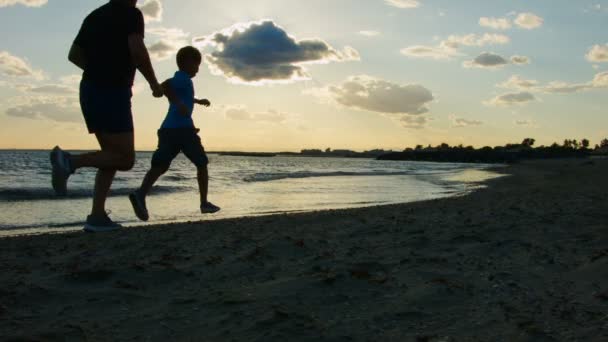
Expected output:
(188, 60)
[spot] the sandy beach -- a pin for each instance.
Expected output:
(525, 259)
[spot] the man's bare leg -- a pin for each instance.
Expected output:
(117, 154)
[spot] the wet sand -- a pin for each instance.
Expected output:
(524, 260)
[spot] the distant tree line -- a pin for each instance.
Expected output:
(570, 148)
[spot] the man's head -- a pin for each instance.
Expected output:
(131, 3)
(188, 60)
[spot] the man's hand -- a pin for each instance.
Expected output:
(203, 102)
(157, 90)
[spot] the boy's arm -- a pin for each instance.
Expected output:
(172, 97)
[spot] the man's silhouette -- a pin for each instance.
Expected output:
(108, 48)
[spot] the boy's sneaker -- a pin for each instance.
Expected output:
(97, 224)
(209, 208)
(61, 169)
(139, 205)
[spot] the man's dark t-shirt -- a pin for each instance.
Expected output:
(104, 40)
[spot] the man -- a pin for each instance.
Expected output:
(108, 48)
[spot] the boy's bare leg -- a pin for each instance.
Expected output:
(151, 177)
(117, 153)
(203, 182)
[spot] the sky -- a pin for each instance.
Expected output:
(286, 75)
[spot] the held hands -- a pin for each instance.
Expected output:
(157, 90)
(203, 102)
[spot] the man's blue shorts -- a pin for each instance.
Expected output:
(172, 141)
(106, 109)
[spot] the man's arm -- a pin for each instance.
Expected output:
(141, 59)
(76, 56)
(172, 97)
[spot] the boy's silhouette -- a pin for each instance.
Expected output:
(178, 134)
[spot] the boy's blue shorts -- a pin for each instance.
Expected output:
(172, 141)
(106, 109)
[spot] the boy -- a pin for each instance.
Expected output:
(178, 134)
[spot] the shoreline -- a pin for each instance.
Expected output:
(475, 182)
(523, 259)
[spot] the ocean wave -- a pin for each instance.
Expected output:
(267, 177)
(42, 194)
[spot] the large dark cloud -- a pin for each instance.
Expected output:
(263, 52)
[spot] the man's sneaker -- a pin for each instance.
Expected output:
(61, 169)
(209, 208)
(97, 224)
(139, 205)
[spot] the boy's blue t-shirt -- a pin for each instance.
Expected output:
(181, 83)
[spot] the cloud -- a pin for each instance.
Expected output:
(528, 21)
(369, 33)
(262, 52)
(70, 80)
(520, 60)
(486, 60)
(598, 53)
(472, 39)
(169, 41)
(517, 82)
(495, 23)
(461, 122)
(379, 96)
(16, 67)
(511, 99)
(241, 113)
(403, 3)
(414, 121)
(59, 109)
(28, 3)
(599, 81)
(152, 10)
(564, 88)
(448, 48)
(525, 123)
(50, 89)
(432, 52)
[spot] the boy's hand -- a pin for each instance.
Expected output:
(203, 102)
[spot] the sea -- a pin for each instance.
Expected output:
(240, 185)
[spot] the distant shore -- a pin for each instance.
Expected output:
(524, 260)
